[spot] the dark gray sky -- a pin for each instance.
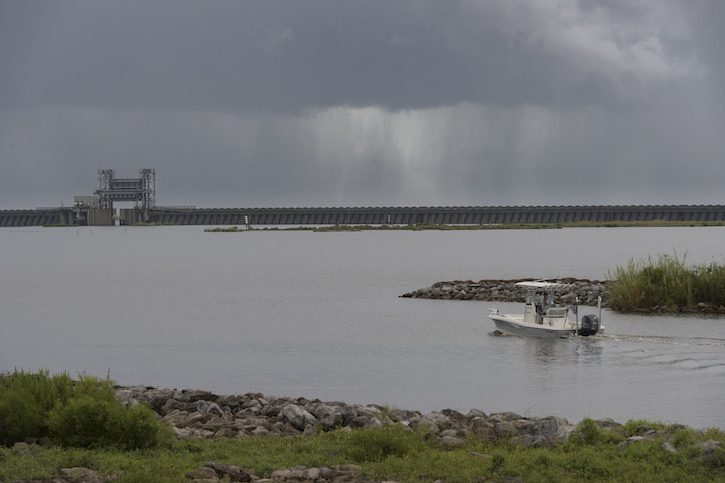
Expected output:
(302, 103)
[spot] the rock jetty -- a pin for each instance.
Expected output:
(201, 414)
(506, 290)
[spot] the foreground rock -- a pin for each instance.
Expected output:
(200, 414)
(73, 475)
(506, 290)
(214, 472)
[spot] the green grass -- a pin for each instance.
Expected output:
(667, 283)
(393, 453)
(82, 413)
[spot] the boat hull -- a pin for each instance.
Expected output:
(511, 326)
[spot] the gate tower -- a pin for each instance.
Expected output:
(141, 190)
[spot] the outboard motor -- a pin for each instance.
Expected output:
(589, 325)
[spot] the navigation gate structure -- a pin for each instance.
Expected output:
(141, 190)
(99, 209)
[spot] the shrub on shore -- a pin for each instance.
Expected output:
(83, 413)
(666, 282)
(26, 399)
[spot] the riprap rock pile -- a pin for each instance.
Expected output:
(507, 291)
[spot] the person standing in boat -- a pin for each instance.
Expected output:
(541, 308)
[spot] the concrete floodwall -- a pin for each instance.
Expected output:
(439, 215)
(30, 217)
(375, 216)
(100, 216)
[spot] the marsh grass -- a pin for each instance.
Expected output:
(666, 282)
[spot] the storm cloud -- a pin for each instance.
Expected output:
(325, 103)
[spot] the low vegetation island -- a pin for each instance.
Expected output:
(447, 227)
(665, 284)
(357, 228)
(57, 429)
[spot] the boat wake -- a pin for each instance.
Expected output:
(682, 341)
(695, 341)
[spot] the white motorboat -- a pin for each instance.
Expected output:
(543, 317)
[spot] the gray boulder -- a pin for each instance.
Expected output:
(203, 474)
(504, 429)
(193, 395)
(177, 418)
(708, 446)
(171, 405)
(330, 416)
(483, 429)
(451, 442)
(85, 475)
(156, 398)
(297, 416)
(233, 473)
(398, 415)
(208, 407)
(546, 432)
(373, 422)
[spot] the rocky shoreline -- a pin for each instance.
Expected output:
(195, 414)
(202, 414)
(586, 290)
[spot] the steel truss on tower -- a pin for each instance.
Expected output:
(141, 190)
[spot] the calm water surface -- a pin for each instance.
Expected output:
(318, 315)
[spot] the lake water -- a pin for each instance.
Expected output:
(318, 315)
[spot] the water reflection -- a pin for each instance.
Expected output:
(547, 351)
(588, 351)
(550, 352)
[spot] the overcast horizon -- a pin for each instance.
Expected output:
(346, 103)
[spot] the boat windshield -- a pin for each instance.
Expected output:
(539, 297)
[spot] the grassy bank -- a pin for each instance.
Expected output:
(667, 283)
(80, 424)
(590, 454)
